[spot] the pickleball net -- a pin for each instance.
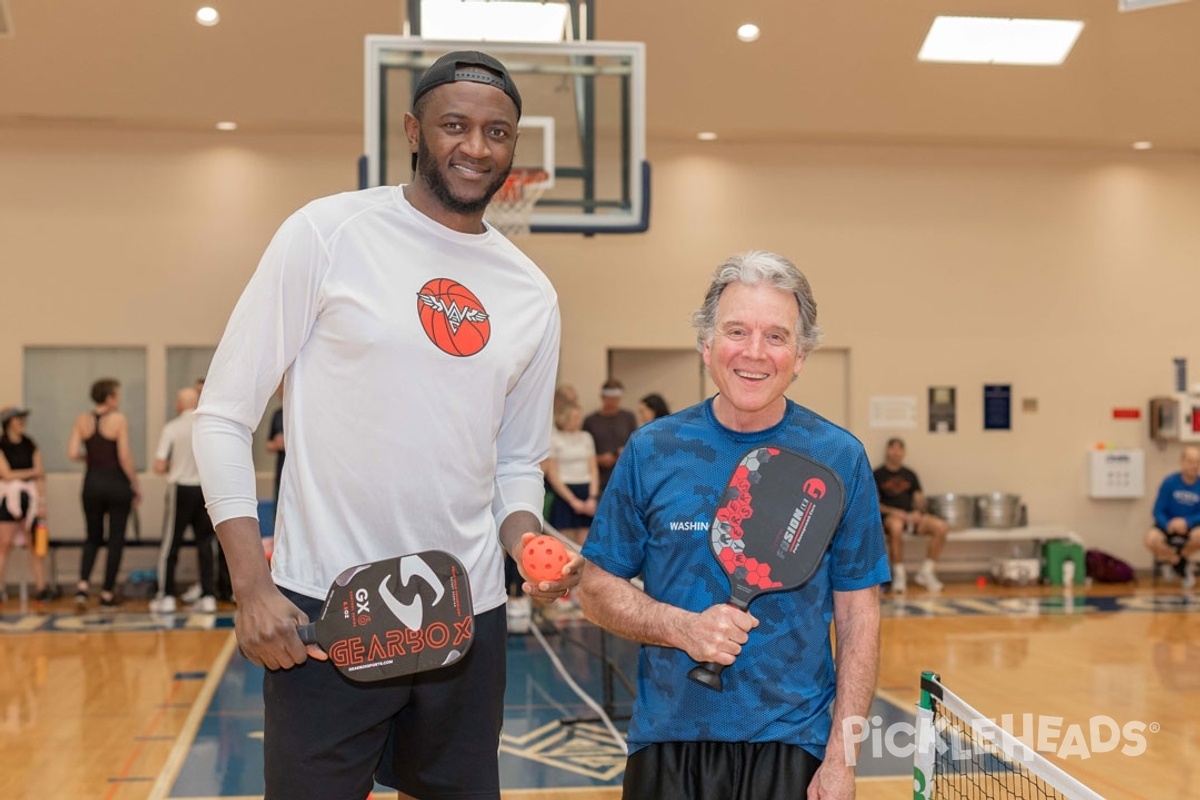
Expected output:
(962, 754)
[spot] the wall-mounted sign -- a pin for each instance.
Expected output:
(893, 412)
(997, 407)
(943, 412)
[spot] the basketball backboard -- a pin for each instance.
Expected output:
(583, 121)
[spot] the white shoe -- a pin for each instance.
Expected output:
(192, 594)
(926, 578)
(520, 612)
(1189, 575)
(206, 604)
(163, 605)
(1167, 573)
(899, 580)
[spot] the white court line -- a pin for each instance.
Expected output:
(170, 771)
(903, 705)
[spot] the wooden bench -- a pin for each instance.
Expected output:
(1028, 538)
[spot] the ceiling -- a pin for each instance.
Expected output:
(837, 70)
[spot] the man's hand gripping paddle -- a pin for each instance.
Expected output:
(395, 617)
(771, 529)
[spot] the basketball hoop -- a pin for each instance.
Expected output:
(512, 206)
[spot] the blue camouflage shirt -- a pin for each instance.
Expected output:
(653, 521)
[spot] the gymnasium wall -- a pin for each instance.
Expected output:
(1070, 275)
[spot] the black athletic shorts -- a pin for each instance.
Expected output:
(6, 515)
(719, 771)
(432, 735)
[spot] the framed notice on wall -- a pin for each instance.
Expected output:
(942, 409)
(997, 407)
(893, 412)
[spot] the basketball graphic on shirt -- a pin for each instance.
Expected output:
(452, 317)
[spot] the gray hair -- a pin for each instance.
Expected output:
(754, 268)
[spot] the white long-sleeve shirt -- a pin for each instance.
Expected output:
(420, 366)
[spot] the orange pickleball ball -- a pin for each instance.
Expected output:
(544, 558)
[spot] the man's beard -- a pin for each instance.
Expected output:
(429, 171)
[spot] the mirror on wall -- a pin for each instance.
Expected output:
(185, 365)
(58, 382)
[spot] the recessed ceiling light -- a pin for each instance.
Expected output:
(227, 126)
(994, 40)
(707, 136)
(1142, 145)
(748, 32)
(208, 16)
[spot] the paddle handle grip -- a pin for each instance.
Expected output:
(307, 632)
(708, 674)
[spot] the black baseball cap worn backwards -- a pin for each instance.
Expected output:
(468, 65)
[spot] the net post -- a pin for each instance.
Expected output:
(926, 753)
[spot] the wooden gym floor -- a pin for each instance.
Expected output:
(130, 706)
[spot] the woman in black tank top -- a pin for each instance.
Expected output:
(110, 485)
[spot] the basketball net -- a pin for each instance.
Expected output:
(512, 205)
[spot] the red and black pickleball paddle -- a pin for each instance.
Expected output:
(395, 617)
(771, 529)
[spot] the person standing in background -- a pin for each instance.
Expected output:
(275, 442)
(651, 407)
(565, 395)
(572, 474)
(185, 507)
(610, 427)
(100, 439)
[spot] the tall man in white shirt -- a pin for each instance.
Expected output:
(418, 349)
(185, 507)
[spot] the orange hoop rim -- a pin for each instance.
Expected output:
(522, 187)
(526, 175)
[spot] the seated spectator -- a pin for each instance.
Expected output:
(1176, 532)
(902, 505)
(22, 496)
